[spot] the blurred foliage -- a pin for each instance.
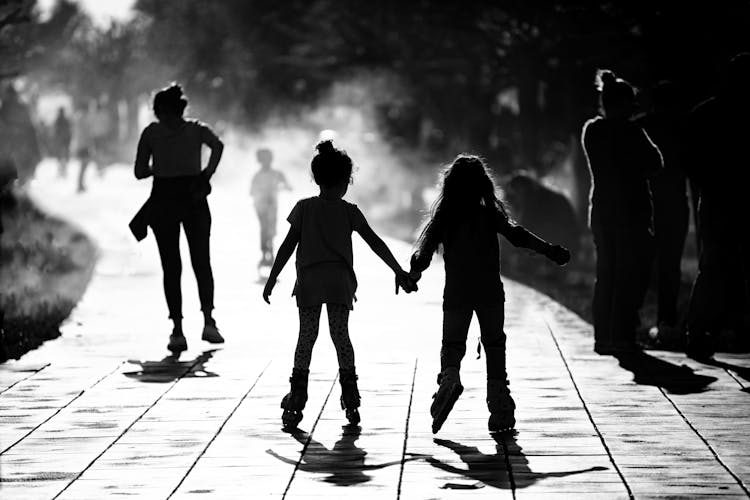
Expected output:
(45, 266)
(248, 58)
(14, 35)
(242, 61)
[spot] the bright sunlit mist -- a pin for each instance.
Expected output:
(102, 12)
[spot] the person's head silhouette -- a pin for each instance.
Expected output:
(332, 168)
(264, 157)
(467, 182)
(169, 103)
(616, 96)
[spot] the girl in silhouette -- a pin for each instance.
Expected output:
(170, 151)
(321, 231)
(465, 221)
(621, 159)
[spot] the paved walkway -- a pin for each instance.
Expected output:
(101, 412)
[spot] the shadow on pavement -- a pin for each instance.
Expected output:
(343, 465)
(650, 370)
(171, 368)
(493, 469)
(741, 371)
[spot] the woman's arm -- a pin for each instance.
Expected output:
(142, 168)
(210, 139)
(285, 252)
(217, 149)
(652, 155)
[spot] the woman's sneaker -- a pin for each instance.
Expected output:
(445, 397)
(211, 334)
(177, 342)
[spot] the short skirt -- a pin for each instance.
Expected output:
(325, 283)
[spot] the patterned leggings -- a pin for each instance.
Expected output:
(338, 323)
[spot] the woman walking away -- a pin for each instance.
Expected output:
(621, 158)
(321, 230)
(466, 220)
(170, 150)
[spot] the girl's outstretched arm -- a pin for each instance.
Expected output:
(427, 245)
(285, 252)
(381, 250)
(519, 236)
(379, 247)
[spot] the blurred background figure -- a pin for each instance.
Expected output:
(717, 156)
(621, 158)
(664, 125)
(19, 135)
(84, 146)
(544, 211)
(62, 134)
(264, 189)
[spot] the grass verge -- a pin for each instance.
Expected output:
(45, 266)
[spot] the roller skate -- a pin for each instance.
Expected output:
(445, 397)
(294, 402)
(349, 395)
(501, 406)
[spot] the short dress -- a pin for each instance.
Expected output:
(325, 263)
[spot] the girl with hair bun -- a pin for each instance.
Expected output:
(321, 231)
(170, 150)
(621, 159)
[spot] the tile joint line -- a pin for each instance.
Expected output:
(81, 393)
(218, 431)
(406, 430)
(705, 442)
(188, 370)
(309, 437)
(586, 409)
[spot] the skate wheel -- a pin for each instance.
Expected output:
(498, 424)
(442, 406)
(352, 415)
(291, 418)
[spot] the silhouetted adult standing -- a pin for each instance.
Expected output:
(62, 135)
(664, 126)
(170, 150)
(718, 132)
(621, 157)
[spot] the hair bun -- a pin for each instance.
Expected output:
(325, 147)
(608, 77)
(174, 91)
(605, 78)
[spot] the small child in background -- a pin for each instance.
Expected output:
(321, 230)
(465, 220)
(264, 189)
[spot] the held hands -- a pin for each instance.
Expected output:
(558, 254)
(405, 281)
(268, 289)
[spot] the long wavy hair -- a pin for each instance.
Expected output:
(465, 184)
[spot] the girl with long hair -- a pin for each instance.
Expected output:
(465, 221)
